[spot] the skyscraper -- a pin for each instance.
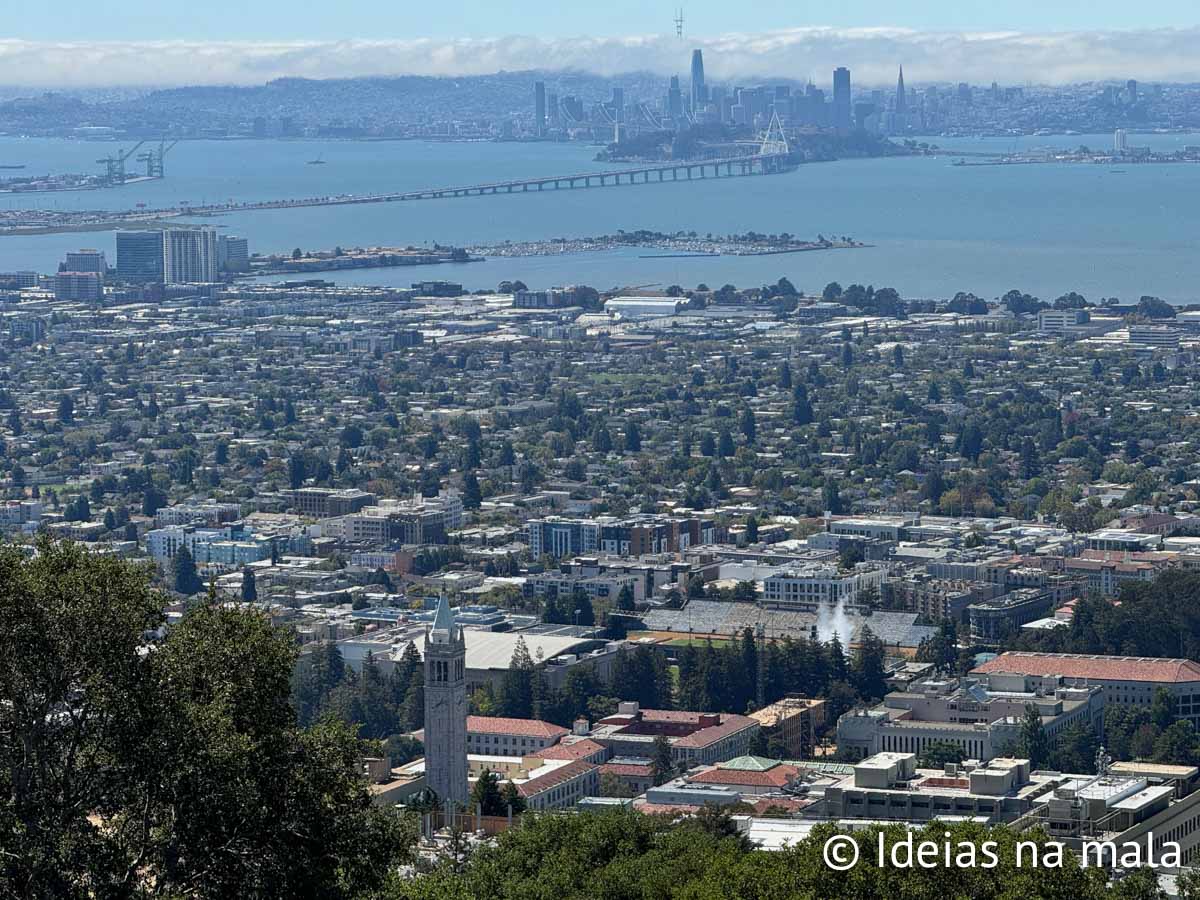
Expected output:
(539, 108)
(140, 255)
(189, 255)
(674, 99)
(618, 104)
(699, 91)
(446, 708)
(901, 98)
(841, 99)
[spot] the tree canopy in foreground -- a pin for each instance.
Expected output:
(133, 767)
(623, 855)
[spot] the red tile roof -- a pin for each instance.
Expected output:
(575, 750)
(1100, 668)
(633, 770)
(730, 724)
(561, 775)
(519, 727)
(777, 776)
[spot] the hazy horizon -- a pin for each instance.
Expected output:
(873, 54)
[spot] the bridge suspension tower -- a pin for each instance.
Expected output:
(774, 141)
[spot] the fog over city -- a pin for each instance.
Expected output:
(1060, 57)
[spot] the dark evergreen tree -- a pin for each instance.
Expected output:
(184, 576)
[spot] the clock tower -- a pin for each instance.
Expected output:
(446, 708)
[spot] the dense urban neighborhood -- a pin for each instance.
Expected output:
(787, 556)
(614, 549)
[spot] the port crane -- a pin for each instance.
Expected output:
(114, 164)
(154, 161)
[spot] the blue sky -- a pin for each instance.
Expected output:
(131, 20)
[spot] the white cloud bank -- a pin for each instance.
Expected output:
(872, 53)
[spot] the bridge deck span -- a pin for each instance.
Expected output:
(730, 167)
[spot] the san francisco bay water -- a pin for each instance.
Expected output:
(1104, 230)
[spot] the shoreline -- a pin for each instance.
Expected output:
(673, 246)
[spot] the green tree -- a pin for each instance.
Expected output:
(625, 600)
(869, 672)
(662, 766)
(1033, 742)
(249, 586)
(66, 409)
(472, 496)
(512, 799)
(938, 753)
(189, 756)
(602, 441)
(748, 425)
(184, 577)
(1178, 745)
(633, 438)
(516, 686)
(831, 498)
(486, 796)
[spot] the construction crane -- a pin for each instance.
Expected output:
(154, 161)
(114, 165)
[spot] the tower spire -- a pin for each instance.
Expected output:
(443, 620)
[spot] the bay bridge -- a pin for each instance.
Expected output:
(770, 156)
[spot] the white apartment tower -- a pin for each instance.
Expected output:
(189, 255)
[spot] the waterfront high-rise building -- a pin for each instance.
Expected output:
(539, 108)
(189, 255)
(233, 253)
(901, 96)
(552, 109)
(86, 261)
(1120, 141)
(699, 90)
(841, 99)
(446, 708)
(1131, 91)
(140, 255)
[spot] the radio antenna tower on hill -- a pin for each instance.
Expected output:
(679, 24)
